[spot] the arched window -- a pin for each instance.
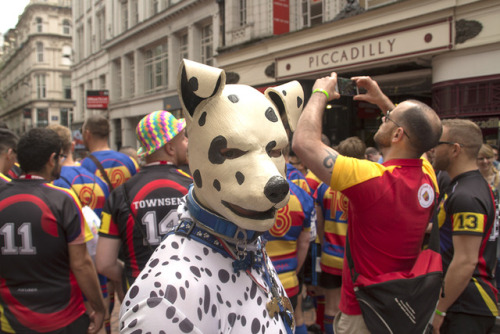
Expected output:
(66, 27)
(39, 26)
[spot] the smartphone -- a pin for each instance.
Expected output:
(346, 87)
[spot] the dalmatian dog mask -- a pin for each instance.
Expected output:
(236, 138)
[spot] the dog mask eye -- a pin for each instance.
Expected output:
(231, 153)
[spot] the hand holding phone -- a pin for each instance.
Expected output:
(346, 87)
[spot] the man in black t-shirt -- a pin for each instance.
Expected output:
(138, 213)
(466, 217)
(44, 263)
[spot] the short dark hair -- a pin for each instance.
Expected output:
(36, 147)
(423, 126)
(97, 125)
(465, 132)
(8, 139)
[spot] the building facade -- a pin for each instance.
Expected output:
(444, 53)
(35, 67)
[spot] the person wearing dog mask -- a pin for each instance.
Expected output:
(211, 274)
(140, 212)
(378, 193)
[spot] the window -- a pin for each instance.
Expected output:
(183, 45)
(312, 12)
(101, 26)
(207, 55)
(65, 117)
(66, 55)
(156, 67)
(66, 84)
(243, 12)
(117, 66)
(39, 52)
(102, 81)
(42, 117)
(124, 15)
(89, 37)
(66, 27)
(154, 7)
(41, 87)
(135, 12)
(39, 24)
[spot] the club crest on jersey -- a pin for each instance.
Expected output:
(425, 195)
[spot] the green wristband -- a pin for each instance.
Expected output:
(438, 312)
(320, 90)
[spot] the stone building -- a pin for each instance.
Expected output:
(35, 67)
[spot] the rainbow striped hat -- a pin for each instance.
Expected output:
(157, 129)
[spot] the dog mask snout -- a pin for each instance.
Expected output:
(276, 189)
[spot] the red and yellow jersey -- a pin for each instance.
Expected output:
(118, 166)
(313, 181)
(334, 206)
(390, 206)
(281, 245)
(38, 292)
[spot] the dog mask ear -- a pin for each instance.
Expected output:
(197, 82)
(288, 99)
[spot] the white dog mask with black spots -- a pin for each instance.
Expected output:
(236, 138)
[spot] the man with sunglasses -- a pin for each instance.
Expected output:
(467, 234)
(390, 203)
(44, 263)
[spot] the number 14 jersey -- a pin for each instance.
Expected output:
(141, 211)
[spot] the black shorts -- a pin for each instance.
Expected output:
(329, 281)
(79, 326)
(463, 323)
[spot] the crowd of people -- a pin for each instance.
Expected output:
(75, 233)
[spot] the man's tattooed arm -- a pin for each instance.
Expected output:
(330, 158)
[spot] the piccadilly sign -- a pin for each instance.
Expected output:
(424, 39)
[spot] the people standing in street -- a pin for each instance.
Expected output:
(44, 263)
(468, 236)
(386, 228)
(140, 211)
(332, 212)
(92, 193)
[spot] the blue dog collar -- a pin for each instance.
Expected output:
(217, 223)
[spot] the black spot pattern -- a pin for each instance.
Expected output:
(170, 312)
(132, 323)
(153, 302)
(233, 98)
(284, 92)
(182, 293)
(171, 294)
(175, 245)
(240, 178)
(223, 276)
(203, 118)
(206, 304)
(153, 263)
(299, 102)
(255, 326)
(271, 115)
(195, 271)
(134, 291)
(253, 290)
(217, 185)
(193, 82)
(231, 318)
(197, 178)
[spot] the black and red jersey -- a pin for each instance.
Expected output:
(468, 208)
(38, 291)
(152, 197)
